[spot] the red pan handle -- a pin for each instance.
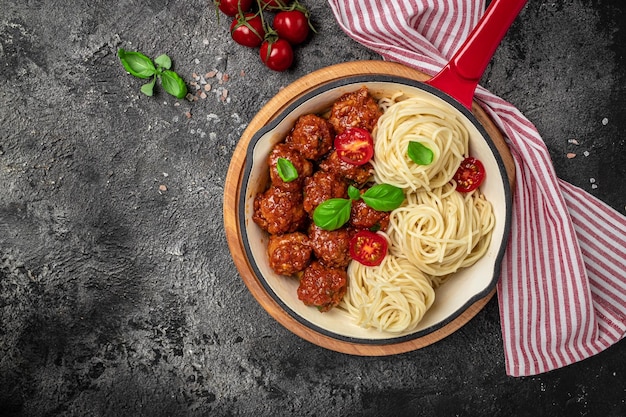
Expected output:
(461, 75)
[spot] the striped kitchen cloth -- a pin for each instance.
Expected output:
(562, 291)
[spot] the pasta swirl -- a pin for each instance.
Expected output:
(429, 123)
(392, 297)
(437, 230)
(442, 230)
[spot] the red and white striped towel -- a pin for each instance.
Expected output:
(562, 292)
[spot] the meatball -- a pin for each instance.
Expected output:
(278, 211)
(363, 216)
(322, 287)
(357, 175)
(300, 163)
(320, 187)
(355, 109)
(312, 136)
(289, 253)
(331, 247)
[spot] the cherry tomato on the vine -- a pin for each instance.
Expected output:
(292, 25)
(470, 175)
(354, 146)
(248, 30)
(231, 7)
(276, 55)
(368, 248)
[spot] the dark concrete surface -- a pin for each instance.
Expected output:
(118, 295)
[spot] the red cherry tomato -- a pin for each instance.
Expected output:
(292, 25)
(368, 248)
(275, 4)
(470, 175)
(248, 31)
(355, 146)
(231, 7)
(277, 55)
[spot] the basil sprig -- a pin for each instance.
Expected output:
(354, 193)
(383, 197)
(335, 212)
(286, 171)
(140, 66)
(420, 154)
(332, 213)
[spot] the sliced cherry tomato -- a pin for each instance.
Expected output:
(470, 175)
(292, 25)
(368, 248)
(277, 55)
(248, 30)
(355, 146)
(231, 7)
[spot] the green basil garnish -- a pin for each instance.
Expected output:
(136, 63)
(140, 66)
(173, 84)
(420, 154)
(332, 213)
(148, 88)
(286, 171)
(383, 197)
(354, 193)
(163, 61)
(335, 212)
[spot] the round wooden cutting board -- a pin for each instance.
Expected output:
(233, 183)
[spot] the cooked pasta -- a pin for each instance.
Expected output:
(392, 297)
(417, 120)
(387, 101)
(437, 230)
(442, 230)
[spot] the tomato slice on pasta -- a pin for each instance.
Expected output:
(368, 248)
(355, 146)
(470, 175)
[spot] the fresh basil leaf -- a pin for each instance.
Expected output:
(354, 193)
(148, 88)
(332, 213)
(420, 154)
(286, 171)
(163, 61)
(173, 84)
(383, 197)
(136, 63)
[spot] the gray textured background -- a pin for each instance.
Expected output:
(118, 295)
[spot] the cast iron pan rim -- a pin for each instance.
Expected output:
(357, 79)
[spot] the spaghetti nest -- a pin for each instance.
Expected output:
(424, 121)
(442, 230)
(392, 297)
(435, 233)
